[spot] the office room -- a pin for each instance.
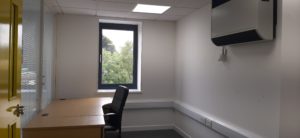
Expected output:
(149, 69)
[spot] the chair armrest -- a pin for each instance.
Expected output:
(110, 114)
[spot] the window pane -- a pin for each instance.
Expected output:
(117, 56)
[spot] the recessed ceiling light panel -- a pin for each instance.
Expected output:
(146, 8)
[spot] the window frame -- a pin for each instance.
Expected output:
(136, 75)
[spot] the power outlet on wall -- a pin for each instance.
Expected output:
(208, 123)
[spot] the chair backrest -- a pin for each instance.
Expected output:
(119, 99)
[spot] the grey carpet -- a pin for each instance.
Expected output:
(147, 134)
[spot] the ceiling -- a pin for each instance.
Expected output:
(123, 8)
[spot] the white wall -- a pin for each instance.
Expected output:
(144, 119)
(77, 58)
(290, 95)
(243, 93)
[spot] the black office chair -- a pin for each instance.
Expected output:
(113, 111)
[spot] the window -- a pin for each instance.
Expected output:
(118, 56)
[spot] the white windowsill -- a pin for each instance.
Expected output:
(113, 90)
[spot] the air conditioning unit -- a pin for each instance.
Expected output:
(241, 21)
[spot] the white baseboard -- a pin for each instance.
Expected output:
(147, 127)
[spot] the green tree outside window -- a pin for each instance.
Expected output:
(117, 66)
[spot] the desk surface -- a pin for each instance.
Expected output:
(71, 113)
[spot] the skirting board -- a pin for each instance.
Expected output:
(157, 127)
(147, 127)
(182, 132)
(187, 110)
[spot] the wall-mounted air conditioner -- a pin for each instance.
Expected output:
(240, 21)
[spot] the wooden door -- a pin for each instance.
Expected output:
(10, 68)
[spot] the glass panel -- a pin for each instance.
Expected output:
(48, 55)
(117, 56)
(30, 66)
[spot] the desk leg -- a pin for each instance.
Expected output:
(102, 132)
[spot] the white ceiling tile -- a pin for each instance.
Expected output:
(111, 13)
(123, 1)
(126, 15)
(67, 10)
(83, 4)
(142, 15)
(168, 17)
(190, 3)
(115, 6)
(123, 8)
(179, 11)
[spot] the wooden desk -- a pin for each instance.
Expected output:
(76, 118)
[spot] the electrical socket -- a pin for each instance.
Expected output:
(208, 123)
